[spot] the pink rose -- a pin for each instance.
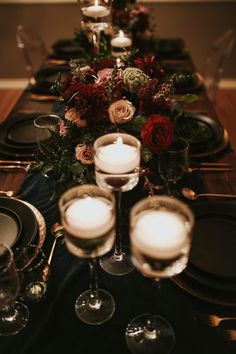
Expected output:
(103, 76)
(85, 154)
(121, 112)
(72, 115)
(63, 128)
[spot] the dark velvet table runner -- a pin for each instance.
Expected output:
(53, 326)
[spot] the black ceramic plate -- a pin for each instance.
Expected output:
(66, 49)
(185, 80)
(46, 77)
(211, 271)
(214, 239)
(170, 48)
(202, 132)
(18, 134)
(10, 226)
(16, 154)
(28, 221)
(204, 292)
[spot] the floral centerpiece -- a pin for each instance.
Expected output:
(106, 96)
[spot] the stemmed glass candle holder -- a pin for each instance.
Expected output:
(117, 159)
(14, 315)
(120, 44)
(160, 231)
(88, 217)
(173, 163)
(96, 17)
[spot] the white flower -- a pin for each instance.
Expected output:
(121, 111)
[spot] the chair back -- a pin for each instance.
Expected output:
(32, 47)
(219, 50)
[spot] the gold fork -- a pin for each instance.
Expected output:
(13, 167)
(213, 320)
(230, 334)
(209, 169)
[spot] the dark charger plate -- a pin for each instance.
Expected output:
(211, 271)
(66, 49)
(28, 221)
(46, 77)
(18, 132)
(10, 226)
(203, 133)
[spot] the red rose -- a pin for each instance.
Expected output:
(157, 133)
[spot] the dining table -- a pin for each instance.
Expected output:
(204, 288)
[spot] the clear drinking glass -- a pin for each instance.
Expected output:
(14, 315)
(173, 163)
(160, 232)
(117, 160)
(34, 272)
(88, 217)
(96, 17)
(46, 125)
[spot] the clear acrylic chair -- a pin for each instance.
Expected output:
(33, 49)
(219, 50)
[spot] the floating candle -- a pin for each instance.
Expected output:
(160, 234)
(121, 41)
(96, 10)
(91, 217)
(117, 157)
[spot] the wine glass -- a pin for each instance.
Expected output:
(46, 125)
(96, 17)
(117, 159)
(88, 217)
(34, 272)
(14, 315)
(160, 232)
(173, 163)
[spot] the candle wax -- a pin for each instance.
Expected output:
(91, 217)
(117, 158)
(121, 41)
(96, 11)
(160, 234)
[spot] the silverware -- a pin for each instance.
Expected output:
(230, 334)
(17, 162)
(214, 320)
(8, 193)
(37, 97)
(192, 195)
(216, 164)
(15, 167)
(56, 231)
(209, 169)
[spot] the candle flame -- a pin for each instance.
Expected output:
(121, 34)
(119, 141)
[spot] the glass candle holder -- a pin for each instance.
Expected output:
(96, 17)
(120, 43)
(117, 159)
(88, 217)
(160, 232)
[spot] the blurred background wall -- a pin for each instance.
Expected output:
(198, 23)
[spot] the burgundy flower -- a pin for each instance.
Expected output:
(157, 133)
(103, 64)
(91, 103)
(150, 66)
